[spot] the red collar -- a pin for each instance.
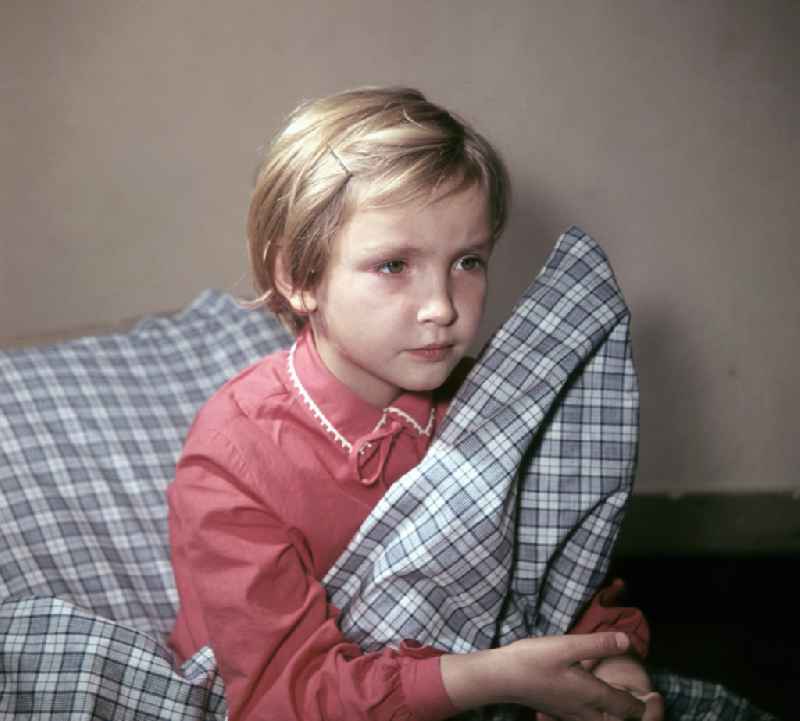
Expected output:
(348, 418)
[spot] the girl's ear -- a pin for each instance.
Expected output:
(303, 302)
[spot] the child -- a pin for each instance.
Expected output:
(371, 227)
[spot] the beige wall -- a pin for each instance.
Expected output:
(130, 132)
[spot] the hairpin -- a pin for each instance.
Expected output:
(340, 161)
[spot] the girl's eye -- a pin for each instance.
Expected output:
(392, 267)
(471, 262)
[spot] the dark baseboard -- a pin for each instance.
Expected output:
(715, 577)
(707, 524)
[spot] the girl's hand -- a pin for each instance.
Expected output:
(545, 674)
(627, 674)
(624, 672)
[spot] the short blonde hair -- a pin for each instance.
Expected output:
(369, 147)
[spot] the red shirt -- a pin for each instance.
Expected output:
(279, 470)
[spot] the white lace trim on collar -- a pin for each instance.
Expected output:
(316, 411)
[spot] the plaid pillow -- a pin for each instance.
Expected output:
(506, 527)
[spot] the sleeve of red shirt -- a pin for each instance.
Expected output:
(267, 619)
(604, 614)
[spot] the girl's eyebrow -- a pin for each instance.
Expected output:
(482, 246)
(380, 248)
(408, 248)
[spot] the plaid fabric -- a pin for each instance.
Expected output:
(689, 699)
(505, 529)
(89, 434)
(62, 662)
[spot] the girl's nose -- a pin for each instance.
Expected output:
(437, 306)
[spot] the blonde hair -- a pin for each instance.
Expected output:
(366, 148)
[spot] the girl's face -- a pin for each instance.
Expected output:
(403, 294)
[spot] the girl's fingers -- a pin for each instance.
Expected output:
(591, 646)
(655, 707)
(620, 704)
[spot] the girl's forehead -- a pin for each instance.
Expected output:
(461, 217)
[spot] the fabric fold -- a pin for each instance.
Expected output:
(505, 528)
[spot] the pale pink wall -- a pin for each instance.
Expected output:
(130, 132)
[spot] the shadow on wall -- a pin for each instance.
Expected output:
(533, 229)
(679, 442)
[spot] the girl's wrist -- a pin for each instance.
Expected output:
(472, 679)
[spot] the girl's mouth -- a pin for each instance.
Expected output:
(431, 353)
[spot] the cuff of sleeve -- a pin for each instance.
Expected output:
(422, 683)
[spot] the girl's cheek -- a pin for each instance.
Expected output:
(475, 286)
(389, 286)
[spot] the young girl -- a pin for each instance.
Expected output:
(371, 227)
